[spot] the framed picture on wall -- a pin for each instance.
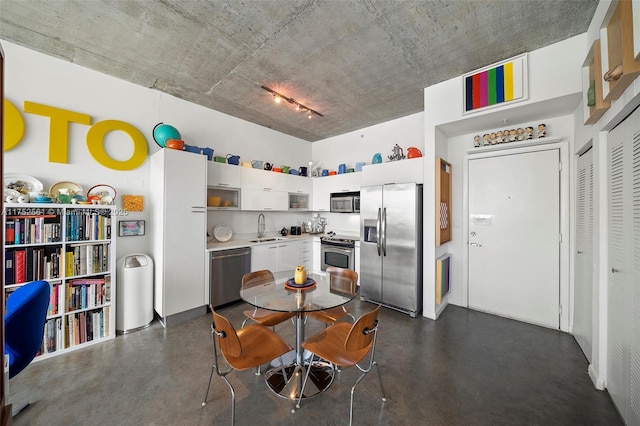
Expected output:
(496, 85)
(130, 228)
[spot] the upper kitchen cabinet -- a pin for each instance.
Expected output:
(266, 190)
(223, 175)
(619, 63)
(400, 171)
(324, 186)
(262, 190)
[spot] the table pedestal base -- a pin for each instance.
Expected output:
(320, 377)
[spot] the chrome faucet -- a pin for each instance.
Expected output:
(260, 225)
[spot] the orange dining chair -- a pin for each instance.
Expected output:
(263, 316)
(341, 280)
(242, 349)
(345, 345)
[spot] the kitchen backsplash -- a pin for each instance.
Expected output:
(246, 223)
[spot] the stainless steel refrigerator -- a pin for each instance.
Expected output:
(391, 246)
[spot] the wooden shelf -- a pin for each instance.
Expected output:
(518, 144)
(592, 72)
(443, 201)
(616, 35)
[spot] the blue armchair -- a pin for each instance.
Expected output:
(24, 321)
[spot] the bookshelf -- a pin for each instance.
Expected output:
(73, 248)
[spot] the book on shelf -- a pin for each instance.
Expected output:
(9, 231)
(19, 266)
(9, 273)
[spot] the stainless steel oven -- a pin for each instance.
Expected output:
(338, 252)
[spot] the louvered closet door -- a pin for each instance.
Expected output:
(583, 293)
(618, 309)
(634, 281)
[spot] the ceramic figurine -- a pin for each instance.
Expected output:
(476, 141)
(492, 138)
(505, 136)
(528, 133)
(499, 137)
(485, 139)
(300, 275)
(520, 133)
(542, 130)
(512, 135)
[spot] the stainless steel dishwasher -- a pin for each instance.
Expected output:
(226, 269)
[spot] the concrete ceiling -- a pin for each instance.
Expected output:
(359, 63)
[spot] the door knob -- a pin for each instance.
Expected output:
(475, 245)
(614, 270)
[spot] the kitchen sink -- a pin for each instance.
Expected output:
(264, 240)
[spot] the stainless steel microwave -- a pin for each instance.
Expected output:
(345, 202)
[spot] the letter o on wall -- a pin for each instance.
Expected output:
(95, 144)
(13, 126)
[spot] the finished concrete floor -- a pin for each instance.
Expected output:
(467, 368)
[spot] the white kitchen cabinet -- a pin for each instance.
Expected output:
(298, 184)
(264, 256)
(178, 220)
(223, 175)
(321, 193)
(402, 171)
(264, 199)
(316, 255)
(305, 250)
(324, 186)
(282, 255)
(259, 179)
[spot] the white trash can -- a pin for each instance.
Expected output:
(134, 297)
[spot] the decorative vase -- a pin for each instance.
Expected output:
(300, 276)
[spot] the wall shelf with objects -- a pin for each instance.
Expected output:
(443, 201)
(518, 144)
(71, 247)
(593, 103)
(617, 51)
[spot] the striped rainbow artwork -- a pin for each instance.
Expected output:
(495, 85)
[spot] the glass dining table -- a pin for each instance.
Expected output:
(282, 295)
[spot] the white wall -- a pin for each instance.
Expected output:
(35, 77)
(554, 92)
(361, 145)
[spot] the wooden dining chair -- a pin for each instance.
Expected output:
(345, 345)
(242, 349)
(341, 280)
(263, 316)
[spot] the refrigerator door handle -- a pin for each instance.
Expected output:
(384, 231)
(378, 235)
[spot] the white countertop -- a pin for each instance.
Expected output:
(244, 241)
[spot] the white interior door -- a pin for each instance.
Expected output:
(583, 288)
(514, 229)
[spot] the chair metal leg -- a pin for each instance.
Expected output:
(384, 397)
(233, 401)
(304, 383)
(208, 386)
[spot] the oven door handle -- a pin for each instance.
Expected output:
(379, 236)
(346, 251)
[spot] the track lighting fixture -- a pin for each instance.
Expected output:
(278, 97)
